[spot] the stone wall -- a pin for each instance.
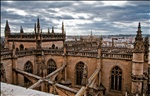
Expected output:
(91, 62)
(28, 45)
(8, 69)
(125, 66)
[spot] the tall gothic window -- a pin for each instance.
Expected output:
(116, 79)
(79, 72)
(2, 73)
(28, 68)
(51, 66)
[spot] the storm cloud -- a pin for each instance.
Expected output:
(79, 17)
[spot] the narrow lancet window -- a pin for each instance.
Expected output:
(116, 79)
(28, 68)
(79, 72)
(51, 66)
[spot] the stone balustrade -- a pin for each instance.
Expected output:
(5, 55)
(117, 56)
(53, 51)
(25, 53)
(82, 53)
(32, 36)
(94, 53)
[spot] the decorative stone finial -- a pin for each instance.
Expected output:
(52, 29)
(21, 29)
(7, 28)
(38, 24)
(84, 76)
(48, 31)
(62, 28)
(139, 44)
(35, 28)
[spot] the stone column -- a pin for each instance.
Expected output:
(14, 66)
(99, 60)
(64, 79)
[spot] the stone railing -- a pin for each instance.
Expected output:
(53, 51)
(117, 50)
(78, 48)
(5, 55)
(32, 36)
(94, 53)
(50, 35)
(25, 53)
(82, 53)
(117, 56)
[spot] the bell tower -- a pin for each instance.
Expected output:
(137, 63)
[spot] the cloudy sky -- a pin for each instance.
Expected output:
(79, 17)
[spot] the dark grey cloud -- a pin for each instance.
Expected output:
(80, 16)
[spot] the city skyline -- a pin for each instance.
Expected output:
(79, 17)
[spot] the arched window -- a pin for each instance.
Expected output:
(51, 66)
(21, 47)
(79, 72)
(2, 73)
(28, 68)
(116, 79)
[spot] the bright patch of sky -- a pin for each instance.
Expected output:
(17, 11)
(114, 3)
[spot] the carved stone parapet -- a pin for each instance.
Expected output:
(137, 77)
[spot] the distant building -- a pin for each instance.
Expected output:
(89, 66)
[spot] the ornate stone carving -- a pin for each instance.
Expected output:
(139, 44)
(84, 76)
(146, 45)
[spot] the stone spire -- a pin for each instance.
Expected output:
(35, 28)
(41, 35)
(63, 28)
(100, 42)
(138, 44)
(48, 31)
(91, 37)
(138, 63)
(139, 35)
(13, 45)
(52, 30)
(38, 24)
(21, 29)
(91, 32)
(7, 28)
